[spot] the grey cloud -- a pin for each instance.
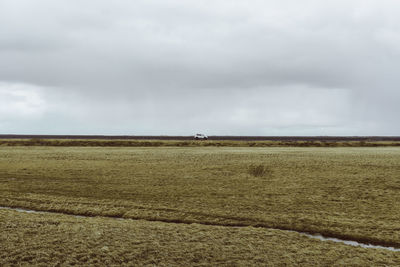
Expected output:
(157, 64)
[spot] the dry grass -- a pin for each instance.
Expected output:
(259, 170)
(345, 192)
(54, 240)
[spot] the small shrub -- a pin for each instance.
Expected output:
(259, 170)
(35, 142)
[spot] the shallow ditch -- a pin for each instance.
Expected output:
(314, 236)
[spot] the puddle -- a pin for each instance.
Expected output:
(40, 212)
(347, 242)
(20, 210)
(316, 236)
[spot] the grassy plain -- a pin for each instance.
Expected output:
(59, 240)
(351, 193)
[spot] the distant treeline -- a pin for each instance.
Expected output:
(191, 143)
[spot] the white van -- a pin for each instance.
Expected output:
(200, 137)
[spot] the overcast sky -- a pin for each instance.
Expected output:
(220, 67)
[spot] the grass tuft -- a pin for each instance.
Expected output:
(259, 170)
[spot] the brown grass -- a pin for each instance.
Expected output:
(351, 193)
(259, 170)
(54, 240)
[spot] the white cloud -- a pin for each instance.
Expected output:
(20, 101)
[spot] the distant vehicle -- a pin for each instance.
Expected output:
(200, 137)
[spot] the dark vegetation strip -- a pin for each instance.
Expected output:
(190, 143)
(239, 223)
(215, 137)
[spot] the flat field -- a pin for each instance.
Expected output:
(199, 205)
